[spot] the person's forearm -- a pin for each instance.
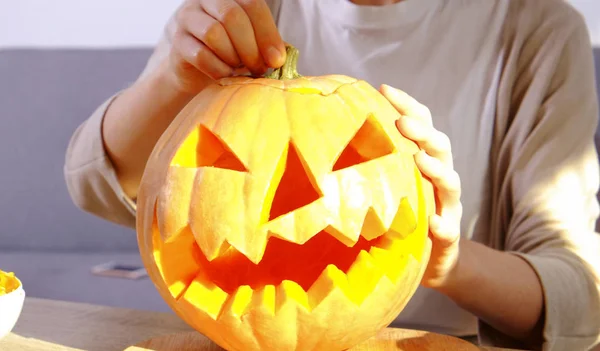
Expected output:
(500, 288)
(135, 121)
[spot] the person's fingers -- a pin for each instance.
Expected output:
(211, 33)
(446, 181)
(443, 230)
(434, 142)
(239, 28)
(266, 33)
(191, 50)
(405, 104)
(242, 71)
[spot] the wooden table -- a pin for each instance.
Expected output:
(48, 325)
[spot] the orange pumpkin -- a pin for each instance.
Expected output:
(285, 213)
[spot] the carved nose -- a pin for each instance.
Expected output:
(296, 187)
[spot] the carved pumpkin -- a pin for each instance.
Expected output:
(285, 213)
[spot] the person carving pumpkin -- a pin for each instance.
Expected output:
(500, 97)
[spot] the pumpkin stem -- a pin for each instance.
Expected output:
(289, 68)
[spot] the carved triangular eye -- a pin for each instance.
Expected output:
(369, 143)
(202, 148)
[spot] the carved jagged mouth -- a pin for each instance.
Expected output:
(303, 273)
(306, 273)
(301, 264)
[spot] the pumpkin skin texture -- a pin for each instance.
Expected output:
(285, 214)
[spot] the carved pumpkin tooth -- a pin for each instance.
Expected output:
(332, 281)
(405, 221)
(237, 303)
(389, 190)
(254, 249)
(332, 307)
(388, 242)
(268, 312)
(372, 226)
(340, 236)
(291, 308)
(203, 297)
(363, 276)
(232, 320)
(174, 202)
(290, 292)
(352, 209)
(300, 225)
(263, 300)
(224, 217)
(225, 249)
(178, 264)
(393, 263)
(417, 243)
(371, 315)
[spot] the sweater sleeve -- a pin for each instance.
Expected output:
(90, 176)
(545, 178)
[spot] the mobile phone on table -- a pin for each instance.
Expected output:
(119, 270)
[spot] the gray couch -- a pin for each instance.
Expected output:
(45, 95)
(52, 245)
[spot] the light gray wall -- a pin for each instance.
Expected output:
(83, 24)
(118, 23)
(590, 9)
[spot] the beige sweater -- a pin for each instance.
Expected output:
(510, 82)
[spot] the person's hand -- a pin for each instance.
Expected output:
(217, 38)
(435, 162)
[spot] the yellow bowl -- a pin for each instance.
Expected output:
(11, 305)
